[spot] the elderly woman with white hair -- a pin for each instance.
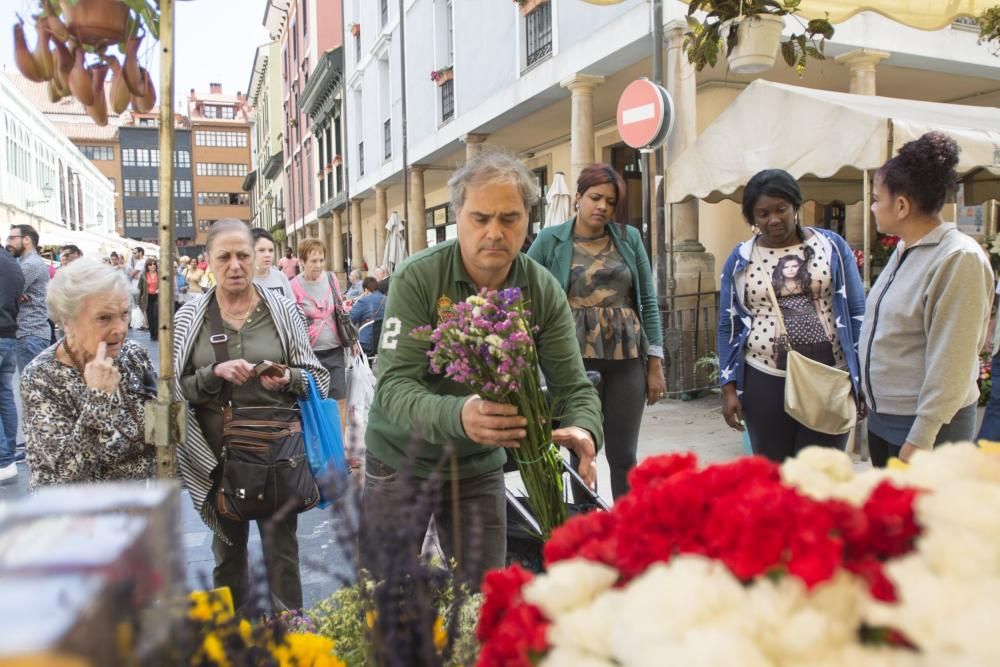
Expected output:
(83, 397)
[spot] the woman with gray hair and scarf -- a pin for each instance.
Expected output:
(257, 325)
(83, 397)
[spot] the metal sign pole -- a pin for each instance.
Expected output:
(164, 417)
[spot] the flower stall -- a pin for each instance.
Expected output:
(750, 563)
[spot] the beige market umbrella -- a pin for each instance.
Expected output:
(395, 243)
(557, 209)
(924, 14)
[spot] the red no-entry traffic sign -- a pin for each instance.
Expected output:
(645, 114)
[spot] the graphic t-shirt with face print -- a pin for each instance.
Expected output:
(804, 290)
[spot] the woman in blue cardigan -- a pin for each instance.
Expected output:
(815, 280)
(605, 272)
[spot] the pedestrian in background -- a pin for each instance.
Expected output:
(69, 253)
(605, 272)
(34, 332)
(813, 276)
(11, 288)
(83, 397)
(317, 294)
(258, 326)
(149, 296)
(288, 264)
(356, 289)
(990, 428)
(928, 311)
(369, 308)
(265, 274)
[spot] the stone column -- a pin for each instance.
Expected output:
(581, 143)
(337, 242)
(690, 258)
(416, 226)
(381, 217)
(321, 235)
(356, 247)
(862, 63)
(473, 144)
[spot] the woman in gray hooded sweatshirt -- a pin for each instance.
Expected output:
(927, 314)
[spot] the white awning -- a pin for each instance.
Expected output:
(826, 139)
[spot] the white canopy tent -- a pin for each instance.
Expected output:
(829, 141)
(395, 243)
(558, 201)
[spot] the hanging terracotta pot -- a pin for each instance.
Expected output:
(529, 6)
(96, 22)
(757, 39)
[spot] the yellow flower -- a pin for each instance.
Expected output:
(212, 648)
(897, 464)
(370, 617)
(989, 446)
(215, 605)
(246, 631)
(303, 649)
(440, 634)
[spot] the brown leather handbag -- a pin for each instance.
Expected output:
(264, 467)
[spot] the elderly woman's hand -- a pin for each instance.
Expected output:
(237, 371)
(276, 383)
(100, 373)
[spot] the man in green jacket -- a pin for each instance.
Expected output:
(419, 418)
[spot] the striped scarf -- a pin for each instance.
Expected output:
(195, 459)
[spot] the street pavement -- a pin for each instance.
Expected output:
(326, 551)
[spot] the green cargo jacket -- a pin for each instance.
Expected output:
(553, 249)
(417, 413)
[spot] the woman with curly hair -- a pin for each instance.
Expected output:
(927, 312)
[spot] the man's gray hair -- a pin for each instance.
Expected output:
(491, 166)
(355, 274)
(78, 281)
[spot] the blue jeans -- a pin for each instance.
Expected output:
(29, 347)
(990, 430)
(8, 410)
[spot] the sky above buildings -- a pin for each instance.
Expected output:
(215, 42)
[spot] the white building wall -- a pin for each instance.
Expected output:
(33, 149)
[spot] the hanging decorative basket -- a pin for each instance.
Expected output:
(757, 40)
(96, 22)
(355, 29)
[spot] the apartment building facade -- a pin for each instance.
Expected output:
(139, 138)
(220, 152)
(543, 80)
(308, 32)
(45, 180)
(266, 183)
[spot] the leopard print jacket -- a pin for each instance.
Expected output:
(76, 434)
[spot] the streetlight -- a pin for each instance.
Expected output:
(46, 196)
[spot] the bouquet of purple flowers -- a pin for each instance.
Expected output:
(486, 345)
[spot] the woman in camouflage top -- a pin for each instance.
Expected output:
(605, 272)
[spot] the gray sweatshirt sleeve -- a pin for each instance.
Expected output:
(958, 302)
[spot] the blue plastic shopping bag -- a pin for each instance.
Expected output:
(324, 443)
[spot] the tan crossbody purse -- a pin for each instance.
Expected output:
(817, 396)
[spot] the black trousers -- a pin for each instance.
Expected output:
(772, 432)
(623, 398)
(153, 315)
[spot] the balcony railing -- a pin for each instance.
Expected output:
(447, 100)
(387, 138)
(361, 158)
(384, 11)
(539, 34)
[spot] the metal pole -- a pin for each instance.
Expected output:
(867, 229)
(345, 218)
(402, 89)
(657, 257)
(644, 165)
(164, 417)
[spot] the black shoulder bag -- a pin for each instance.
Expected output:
(346, 330)
(264, 465)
